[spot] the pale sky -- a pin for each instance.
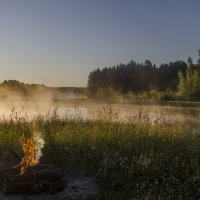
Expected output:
(58, 42)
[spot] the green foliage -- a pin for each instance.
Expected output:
(189, 84)
(165, 96)
(140, 159)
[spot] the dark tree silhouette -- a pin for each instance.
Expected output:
(136, 77)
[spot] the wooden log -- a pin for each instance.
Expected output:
(33, 187)
(47, 175)
(38, 167)
(16, 169)
(12, 170)
(40, 178)
(32, 175)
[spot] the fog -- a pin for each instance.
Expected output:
(73, 107)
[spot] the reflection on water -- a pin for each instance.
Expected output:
(92, 110)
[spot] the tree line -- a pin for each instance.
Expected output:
(9, 88)
(170, 81)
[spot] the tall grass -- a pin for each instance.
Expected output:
(137, 159)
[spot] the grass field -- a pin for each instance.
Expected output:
(139, 159)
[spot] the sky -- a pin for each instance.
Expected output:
(58, 42)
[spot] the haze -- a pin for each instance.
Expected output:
(58, 43)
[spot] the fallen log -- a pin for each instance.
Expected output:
(32, 187)
(40, 178)
(48, 175)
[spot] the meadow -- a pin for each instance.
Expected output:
(136, 159)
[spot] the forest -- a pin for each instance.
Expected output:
(14, 88)
(170, 81)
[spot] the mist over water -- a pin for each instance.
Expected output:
(84, 108)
